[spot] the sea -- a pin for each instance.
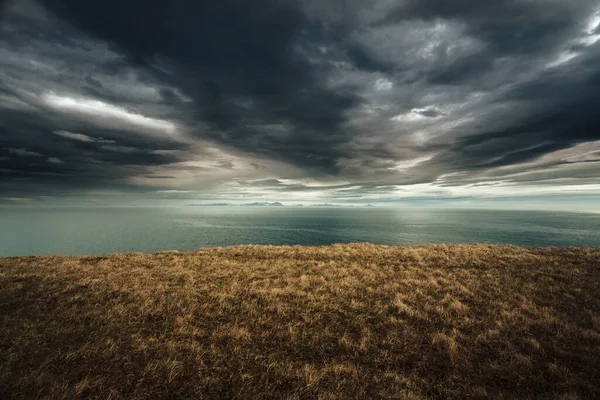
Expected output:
(97, 231)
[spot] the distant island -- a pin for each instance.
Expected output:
(263, 204)
(271, 204)
(256, 204)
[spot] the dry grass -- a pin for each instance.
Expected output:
(338, 322)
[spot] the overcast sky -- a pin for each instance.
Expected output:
(300, 101)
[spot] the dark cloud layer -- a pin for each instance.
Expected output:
(345, 99)
(236, 60)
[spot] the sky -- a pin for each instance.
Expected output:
(393, 102)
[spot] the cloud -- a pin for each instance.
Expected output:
(246, 75)
(107, 115)
(256, 99)
(81, 137)
(119, 149)
(19, 199)
(23, 152)
(418, 114)
(383, 84)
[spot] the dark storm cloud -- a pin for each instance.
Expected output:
(506, 26)
(77, 143)
(562, 113)
(375, 94)
(237, 61)
(34, 151)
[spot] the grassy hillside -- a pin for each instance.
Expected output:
(338, 322)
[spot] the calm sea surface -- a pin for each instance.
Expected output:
(76, 231)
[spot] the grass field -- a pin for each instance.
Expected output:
(338, 322)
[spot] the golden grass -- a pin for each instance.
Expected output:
(337, 322)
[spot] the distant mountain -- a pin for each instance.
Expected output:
(209, 205)
(257, 204)
(324, 205)
(263, 204)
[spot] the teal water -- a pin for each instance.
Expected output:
(77, 231)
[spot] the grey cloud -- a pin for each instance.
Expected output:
(225, 165)
(119, 149)
(23, 152)
(376, 93)
(81, 137)
(429, 112)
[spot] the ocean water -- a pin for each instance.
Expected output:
(78, 231)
